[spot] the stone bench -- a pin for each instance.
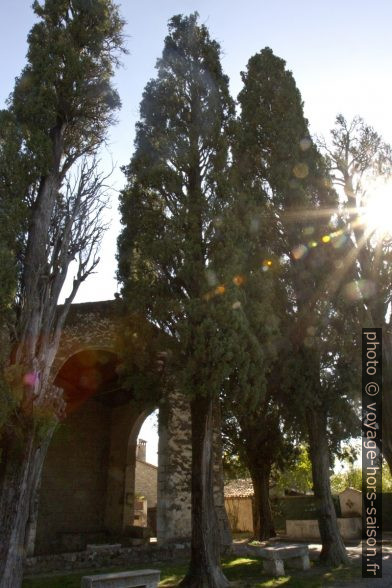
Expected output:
(296, 554)
(139, 578)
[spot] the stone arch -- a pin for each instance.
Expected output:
(127, 420)
(84, 483)
(83, 495)
(90, 325)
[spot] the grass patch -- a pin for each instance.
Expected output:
(242, 572)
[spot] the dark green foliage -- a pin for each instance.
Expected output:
(290, 175)
(16, 173)
(176, 258)
(72, 51)
(173, 258)
(282, 177)
(143, 369)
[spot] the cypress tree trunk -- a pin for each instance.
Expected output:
(24, 458)
(263, 525)
(204, 569)
(333, 550)
(219, 494)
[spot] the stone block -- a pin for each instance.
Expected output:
(273, 567)
(138, 578)
(281, 551)
(299, 563)
(296, 556)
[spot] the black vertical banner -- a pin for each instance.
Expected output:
(371, 453)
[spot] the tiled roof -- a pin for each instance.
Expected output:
(242, 488)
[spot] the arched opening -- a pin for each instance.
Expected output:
(145, 478)
(88, 485)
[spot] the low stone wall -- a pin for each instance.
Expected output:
(105, 556)
(349, 528)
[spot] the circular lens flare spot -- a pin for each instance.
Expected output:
(299, 251)
(238, 280)
(30, 379)
(300, 170)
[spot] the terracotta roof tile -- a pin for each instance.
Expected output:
(242, 488)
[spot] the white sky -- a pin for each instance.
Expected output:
(149, 432)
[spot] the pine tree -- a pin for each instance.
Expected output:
(51, 196)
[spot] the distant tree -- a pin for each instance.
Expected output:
(299, 475)
(352, 478)
(51, 198)
(172, 244)
(257, 438)
(279, 154)
(361, 168)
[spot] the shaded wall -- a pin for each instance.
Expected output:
(74, 480)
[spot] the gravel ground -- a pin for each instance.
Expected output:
(355, 555)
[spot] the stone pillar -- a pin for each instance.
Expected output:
(174, 470)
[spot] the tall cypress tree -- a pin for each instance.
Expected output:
(58, 114)
(172, 209)
(276, 150)
(250, 406)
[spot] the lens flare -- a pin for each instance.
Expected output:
(376, 214)
(238, 280)
(299, 251)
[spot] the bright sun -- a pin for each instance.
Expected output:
(377, 214)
